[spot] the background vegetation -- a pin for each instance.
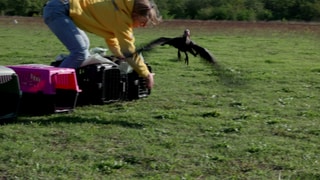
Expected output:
(255, 117)
(243, 10)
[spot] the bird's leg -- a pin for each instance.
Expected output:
(179, 55)
(186, 60)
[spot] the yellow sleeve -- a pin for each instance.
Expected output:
(138, 64)
(114, 46)
(123, 43)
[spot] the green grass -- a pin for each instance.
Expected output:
(255, 117)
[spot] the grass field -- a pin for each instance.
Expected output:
(254, 117)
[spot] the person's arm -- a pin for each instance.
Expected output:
(124, 44)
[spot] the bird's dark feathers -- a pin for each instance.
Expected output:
(190, 47)
(204, 53)
(183, 44)
(156, 42)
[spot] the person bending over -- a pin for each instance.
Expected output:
(113, 20)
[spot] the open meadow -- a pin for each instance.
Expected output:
(256, 116)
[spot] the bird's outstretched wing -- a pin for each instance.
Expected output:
(152, 44)
(204, 53)
(149, 46)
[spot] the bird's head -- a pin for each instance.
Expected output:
(186, 33)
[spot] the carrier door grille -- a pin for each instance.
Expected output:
(111, 85)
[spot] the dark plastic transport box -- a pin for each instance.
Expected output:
(10, 93)
(100, 84)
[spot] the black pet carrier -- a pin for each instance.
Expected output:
(136, 86)
(100, 84)
(10, 93)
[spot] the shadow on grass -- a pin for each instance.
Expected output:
(228, 76)
(65, 118)
(176, 60)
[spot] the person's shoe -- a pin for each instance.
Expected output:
(61, 57)
(58, 60)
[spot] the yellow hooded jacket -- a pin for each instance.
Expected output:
(110, 19)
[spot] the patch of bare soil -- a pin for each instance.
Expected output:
(242, 25)
(198, 24)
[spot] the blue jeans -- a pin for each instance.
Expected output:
(56, 16)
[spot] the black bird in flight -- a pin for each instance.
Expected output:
(183, 44)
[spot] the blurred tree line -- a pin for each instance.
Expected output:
(240, 10)
(21, 7)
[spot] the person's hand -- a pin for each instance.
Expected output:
(150, 81)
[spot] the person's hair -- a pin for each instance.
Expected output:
(148, 9)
